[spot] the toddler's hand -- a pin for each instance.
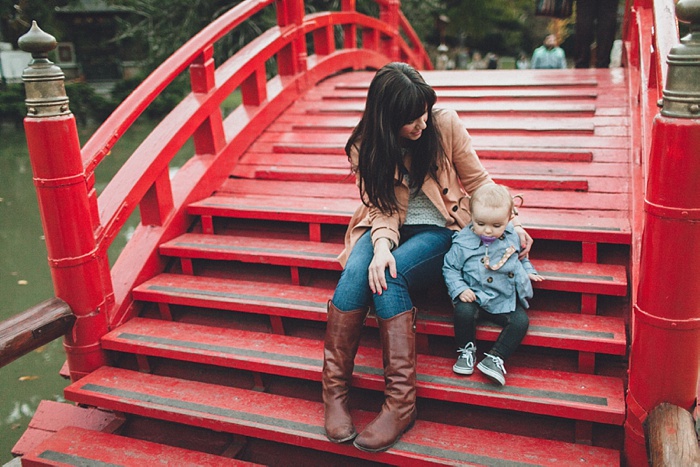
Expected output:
(535, 277)
(467, 296)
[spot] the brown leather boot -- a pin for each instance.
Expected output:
(343, 331)
(398, 335)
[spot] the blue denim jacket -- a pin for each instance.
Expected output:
(496, 291)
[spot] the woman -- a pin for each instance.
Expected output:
(412, 165)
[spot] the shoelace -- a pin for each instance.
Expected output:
(498, 361)
(468, 353)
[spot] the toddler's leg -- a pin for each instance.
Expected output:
(515, 327)
(466, 315)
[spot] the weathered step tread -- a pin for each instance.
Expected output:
(569, 331)
(78, 446)
(300, 422)
(570, 395)
(575, 225)
(560, 275)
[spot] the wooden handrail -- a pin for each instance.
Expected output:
(671, 438)
(33, 328)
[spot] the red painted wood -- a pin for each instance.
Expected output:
(569, 395)
(548, 329)
(52, 416)
(601, 226)
(78, 446)
(567, 276)
(300, 422)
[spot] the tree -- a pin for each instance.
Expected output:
(16, 17)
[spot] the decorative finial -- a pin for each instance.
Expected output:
(682, 92)
(37, 42)
(44, 82)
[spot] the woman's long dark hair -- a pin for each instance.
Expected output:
(397, 96)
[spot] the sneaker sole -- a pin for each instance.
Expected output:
(492, 375)
(462, 371)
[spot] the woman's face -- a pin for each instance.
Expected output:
(413, 130)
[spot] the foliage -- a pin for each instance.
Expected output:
(504, 26)
(12, 108)
(86, 104)
(16, 17)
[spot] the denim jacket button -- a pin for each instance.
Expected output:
(489, 280)
(511, 275)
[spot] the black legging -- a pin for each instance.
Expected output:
(514, 325)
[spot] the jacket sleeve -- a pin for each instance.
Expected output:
(529, 268)
(383, 225)
(452, 270)
(470, 171)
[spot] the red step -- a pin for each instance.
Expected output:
(595, 226)
(300, 422)
(560, 275)
(562, 394)
(571, 331)
(78, 446)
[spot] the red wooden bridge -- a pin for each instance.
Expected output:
(202, 344)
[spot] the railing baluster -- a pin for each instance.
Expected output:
(157, 204)
(254, 88)
(349, 30)
(209, 137)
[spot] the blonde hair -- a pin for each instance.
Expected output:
(492, 196)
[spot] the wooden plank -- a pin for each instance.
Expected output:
(495, 163)
(495, 141)
(300, 422)
(595, 226)
(547, 329)
(313, 174)
(345, 191)
(560, 275)
(493, 93)
(78, 446)
(478, 107)
(316, 122)
(568, 395)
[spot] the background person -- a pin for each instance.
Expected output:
(549, 55)
(595, 19)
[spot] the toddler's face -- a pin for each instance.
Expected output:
(488, 221)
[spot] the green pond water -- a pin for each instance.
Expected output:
(25, 278)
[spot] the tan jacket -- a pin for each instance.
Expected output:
(463, 174)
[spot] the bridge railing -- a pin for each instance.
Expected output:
(144, 179)
(78, 238)
(650, 30)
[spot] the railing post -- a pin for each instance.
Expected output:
(62, 191)
(666, 318)
(293, 58)
(389, 13)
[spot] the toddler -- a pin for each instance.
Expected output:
(486, 280)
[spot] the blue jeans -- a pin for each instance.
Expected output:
(419, 258)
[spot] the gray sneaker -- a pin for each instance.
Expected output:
(492, 367)
(465, 361)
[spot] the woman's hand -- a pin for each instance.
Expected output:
(377, 267)
(525, 241)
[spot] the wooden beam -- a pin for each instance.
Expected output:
(671, 439)
(33, 328)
